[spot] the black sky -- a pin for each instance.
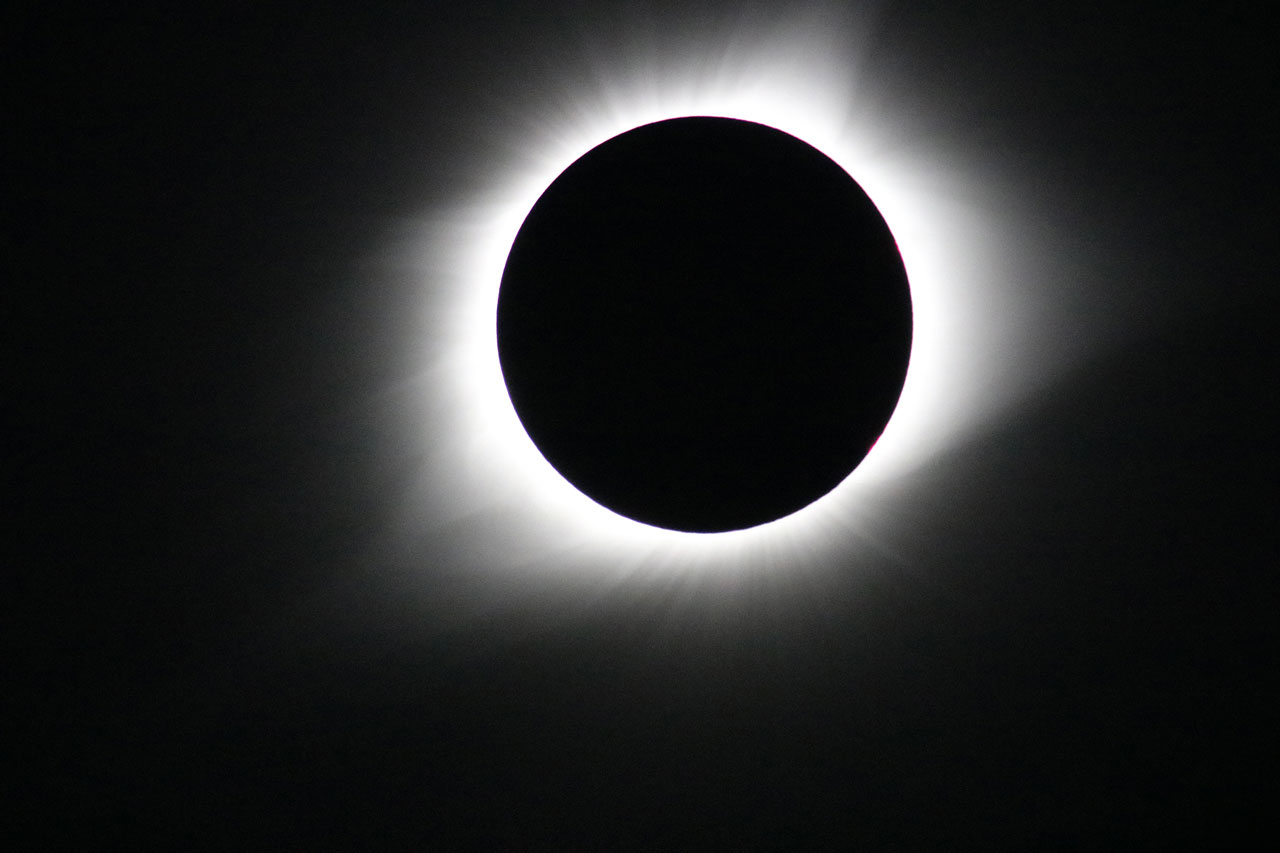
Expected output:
(205, 645)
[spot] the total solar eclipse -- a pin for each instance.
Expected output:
(704, 324)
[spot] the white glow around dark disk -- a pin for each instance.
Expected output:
(980, 284)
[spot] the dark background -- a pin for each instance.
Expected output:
(198, 652)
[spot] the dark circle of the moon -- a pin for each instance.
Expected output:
(704, 324)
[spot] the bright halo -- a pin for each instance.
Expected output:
(486, 487)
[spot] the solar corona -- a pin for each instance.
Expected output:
(714, 319)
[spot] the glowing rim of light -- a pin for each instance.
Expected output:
(490, 463)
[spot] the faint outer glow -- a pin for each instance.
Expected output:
(485, 489)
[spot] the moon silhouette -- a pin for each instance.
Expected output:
(704, 324)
